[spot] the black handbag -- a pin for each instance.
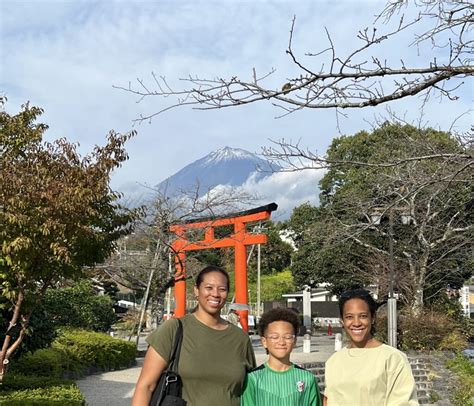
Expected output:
(169, 386)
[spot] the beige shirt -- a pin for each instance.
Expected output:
(379, 376)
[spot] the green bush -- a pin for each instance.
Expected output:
(428, 331)
(36, 378)
(19, 390)
(79, 306)
(13, 382)
(53, 395)
(74, 353)
(40, 332)
(50, 362)
(96, 350)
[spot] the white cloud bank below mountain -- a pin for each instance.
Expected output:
(287, 189)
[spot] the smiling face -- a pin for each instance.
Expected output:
(212, 293)
(279, 340)
(357, 321)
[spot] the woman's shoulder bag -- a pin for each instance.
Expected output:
(169, 386)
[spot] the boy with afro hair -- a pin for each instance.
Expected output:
(279, 381)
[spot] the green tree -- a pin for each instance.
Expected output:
(312, 263)
(78, 306)
(427, 200)
(57, 214)
(301, 217)
(275, 255)
(272, 286)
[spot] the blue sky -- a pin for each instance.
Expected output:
(65, 56)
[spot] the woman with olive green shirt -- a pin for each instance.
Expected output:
(215, 355)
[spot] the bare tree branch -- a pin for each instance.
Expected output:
(356, 80)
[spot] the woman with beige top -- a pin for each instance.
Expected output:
(367, 372)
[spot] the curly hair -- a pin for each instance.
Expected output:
(278, 314)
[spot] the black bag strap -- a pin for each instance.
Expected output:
(174, 360)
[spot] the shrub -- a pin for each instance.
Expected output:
(79, 306)
(96, 350)
(464, 391)
(50, 362)
(13, 382)
(74, 352)
(428, 331)
(453, 341)
(53, 395)
(19, 390)
(40, 332)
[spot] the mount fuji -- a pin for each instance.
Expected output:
(226, 166)
(236, 168)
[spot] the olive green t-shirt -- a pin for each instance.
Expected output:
(212, 364)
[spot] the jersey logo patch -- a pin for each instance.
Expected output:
(300, 386)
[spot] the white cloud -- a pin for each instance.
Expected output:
(287, 189)
(65, 56)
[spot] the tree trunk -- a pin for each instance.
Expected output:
(7, 348)
(417, 305)
(419, 283)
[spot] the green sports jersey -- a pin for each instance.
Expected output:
(293, 387)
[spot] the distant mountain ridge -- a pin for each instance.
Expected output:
(226, 166)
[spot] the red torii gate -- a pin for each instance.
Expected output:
(239, 240)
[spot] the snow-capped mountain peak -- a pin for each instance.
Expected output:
(225, 166)
(228, 153)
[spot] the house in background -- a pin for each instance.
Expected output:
(324, 306)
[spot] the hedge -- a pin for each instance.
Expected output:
(13, 382)
(52, 395)
(38, 378)
(75, 353)
(19, 390)
(96, 350)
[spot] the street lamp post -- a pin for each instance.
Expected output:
(392, 301)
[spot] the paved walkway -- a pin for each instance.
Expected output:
(116, 387)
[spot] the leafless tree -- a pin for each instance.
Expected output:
(142, 259)
(357, 79)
